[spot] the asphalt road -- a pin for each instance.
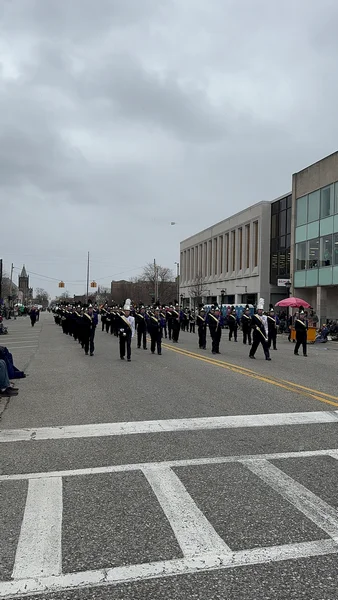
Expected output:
(177, 476)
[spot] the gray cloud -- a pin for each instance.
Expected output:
(119, 117)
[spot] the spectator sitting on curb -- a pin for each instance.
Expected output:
(6, 387)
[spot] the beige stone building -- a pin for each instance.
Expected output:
(229, 261)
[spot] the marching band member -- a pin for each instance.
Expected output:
(233, 324)
(175, 323)
(141, 322)
(260, 331)
(301, 332)
(272, 328)
(202, 329)
(90, 321)
(246, 325)
(126, 327)
(215, 327)
(155, 326)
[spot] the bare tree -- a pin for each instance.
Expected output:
(158, 279)
(197, 290)
(41, 297)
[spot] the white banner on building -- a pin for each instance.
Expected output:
(282, 282)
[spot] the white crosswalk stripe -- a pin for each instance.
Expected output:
(37, 567)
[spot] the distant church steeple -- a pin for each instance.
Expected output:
(24, 285)
(23, 272)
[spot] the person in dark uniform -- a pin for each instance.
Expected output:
(90, 320)
(202, 329)
(77, 323)
(103, 316)
(108, 320)
(272, 328)
(32, 316)
(164, 322)
(233, 324)
(246, 325)
(186, 319)
(114, 322)
(260, 331)
(192, 321)
(169, 318)
(176, 324)
(155, 326)
(126, 326)
(215, 328)
(301, 332)
(141, 325)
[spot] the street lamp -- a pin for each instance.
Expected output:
(182, 298)
(288, 286)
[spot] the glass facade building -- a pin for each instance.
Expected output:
(316, 238)
(280, 240)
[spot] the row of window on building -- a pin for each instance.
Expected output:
(317, 252)
(316, 233)
(320, 204)
(233, 252)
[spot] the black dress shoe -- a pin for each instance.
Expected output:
(268, 358)
(8, 392)
(251, 356)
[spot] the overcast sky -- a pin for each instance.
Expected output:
(120, 116)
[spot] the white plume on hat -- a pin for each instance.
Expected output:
(260, 305)
(127, 304)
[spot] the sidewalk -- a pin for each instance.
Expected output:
(22, 341)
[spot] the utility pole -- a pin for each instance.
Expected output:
(87, 293)
(155, 280)
(11, 287)
(178, 280)
(0, 279)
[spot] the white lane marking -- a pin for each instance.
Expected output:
(10, 347)
(15, 338)
(137, 427)
(25, 341)
(193, 531)
(162, 569)
(190, 462)
(313, 507)
(39, 547)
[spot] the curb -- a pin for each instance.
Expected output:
(3, 405)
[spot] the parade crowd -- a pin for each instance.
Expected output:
(159, 321)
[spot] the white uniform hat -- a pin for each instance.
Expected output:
(260, 305)
(127, 304)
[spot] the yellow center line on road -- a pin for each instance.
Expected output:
(287, 385)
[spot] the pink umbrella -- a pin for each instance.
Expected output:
(293, 303)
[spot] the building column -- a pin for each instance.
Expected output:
(321, 304)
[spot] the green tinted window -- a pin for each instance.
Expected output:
(302, 210)
(326, 201)
(313, 206)
(300, 256)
